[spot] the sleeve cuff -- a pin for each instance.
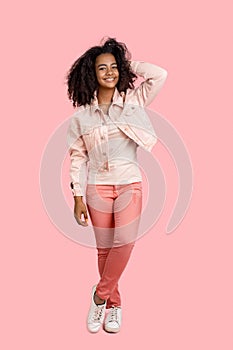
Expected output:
(134, 65)
(76, 191)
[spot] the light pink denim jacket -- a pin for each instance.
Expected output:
(87, 125)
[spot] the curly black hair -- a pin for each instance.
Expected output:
(81, 78)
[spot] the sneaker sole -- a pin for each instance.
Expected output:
(111, 330)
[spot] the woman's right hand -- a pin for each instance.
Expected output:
(79, 209)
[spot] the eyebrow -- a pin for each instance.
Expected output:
(103, 64)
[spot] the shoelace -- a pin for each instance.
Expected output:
(113, 315)
(98, 313)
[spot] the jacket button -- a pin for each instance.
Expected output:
(102, 137)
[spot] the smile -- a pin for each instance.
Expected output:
(109, 79)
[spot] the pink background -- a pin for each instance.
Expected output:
(177, 289)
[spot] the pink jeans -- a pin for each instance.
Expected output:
(115, 212)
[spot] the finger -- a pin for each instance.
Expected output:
(79, 221)
(85, 216)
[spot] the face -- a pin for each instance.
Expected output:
(106, 70)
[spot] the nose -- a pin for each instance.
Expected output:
(109, 71)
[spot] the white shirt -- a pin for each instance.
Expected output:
(122, 162)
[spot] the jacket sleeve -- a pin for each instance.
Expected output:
(154, 78)
(78, 159)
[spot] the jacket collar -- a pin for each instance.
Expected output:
(116, 100)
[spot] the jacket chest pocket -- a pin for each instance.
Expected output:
(91, 137)
(88, 138)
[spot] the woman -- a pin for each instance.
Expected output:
(104, 133)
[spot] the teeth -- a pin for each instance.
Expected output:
(109, 79)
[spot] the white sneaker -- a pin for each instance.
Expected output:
(95, 315)
(112, 322)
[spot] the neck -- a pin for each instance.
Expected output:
(105, 95)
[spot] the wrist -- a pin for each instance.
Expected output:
(78, 198)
